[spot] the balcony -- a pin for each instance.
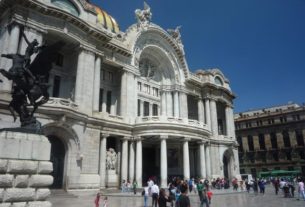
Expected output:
(170, 121)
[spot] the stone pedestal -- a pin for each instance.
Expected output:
(24, 169)
(112, 179)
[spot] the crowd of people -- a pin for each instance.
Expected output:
(287, 186)
(177, 191)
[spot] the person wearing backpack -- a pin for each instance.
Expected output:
(145, 193)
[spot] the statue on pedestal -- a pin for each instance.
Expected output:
(111, 159)
(30, 81)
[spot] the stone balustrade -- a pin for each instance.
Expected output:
(61, 102)
(172, 120)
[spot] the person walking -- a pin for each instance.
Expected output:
(200, 188)
(190, 182)
(134, 186)
(97, 200)
(205, 199)
(261, 185)
(145, 193)
(254, 186)
(276, 184)
(163, 198)
(184, 200)
(155, 194)
(301, 189)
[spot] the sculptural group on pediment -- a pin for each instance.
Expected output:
(143, 16)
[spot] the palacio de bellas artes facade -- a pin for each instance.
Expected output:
(123, 105)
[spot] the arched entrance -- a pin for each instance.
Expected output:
(58, 153)
(228, 164)
(225, 167)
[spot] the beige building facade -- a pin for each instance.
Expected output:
(271, 139)
(123, 105)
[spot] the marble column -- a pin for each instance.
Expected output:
(207, 113)
(139, 162)
(176, 104)
(150, 109)
(169, 104)
(186, 160)
(124, 159)
(79, 76)
(208, 161)
(228, 118)
(131, 161)
(141, 108)
(163, 103)
(183, 105)
(113, 104)
(200, 110)
(202, 160)
(214, 121)
(104, 104)
(123, 98)
(97, 83)
(103, 150)
(163, 161)
(231, 122)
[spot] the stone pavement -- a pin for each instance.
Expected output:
(221, 198)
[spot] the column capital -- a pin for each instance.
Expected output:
(127, 138)
(204, 142)
(163, 137)
(229, 105)
(186, 139)
(137, 138)
(104, 135)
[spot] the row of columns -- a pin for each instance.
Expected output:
(132, 169)
(173, 104)
(208, 114)
(150, 109)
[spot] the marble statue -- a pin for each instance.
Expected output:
(111, 159)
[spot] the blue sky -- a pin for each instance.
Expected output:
(258, 44)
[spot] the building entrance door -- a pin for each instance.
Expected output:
(58, 159)
(225, 167)
(151, 168)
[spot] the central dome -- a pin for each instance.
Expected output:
(106, 20)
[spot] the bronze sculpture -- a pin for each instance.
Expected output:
(30, 81)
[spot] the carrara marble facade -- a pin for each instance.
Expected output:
(122, 99)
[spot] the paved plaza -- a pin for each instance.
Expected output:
(222, 198)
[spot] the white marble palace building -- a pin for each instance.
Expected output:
(123, 105)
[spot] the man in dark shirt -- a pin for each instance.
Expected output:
(184, 200)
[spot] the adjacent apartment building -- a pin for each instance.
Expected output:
(271, 139)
